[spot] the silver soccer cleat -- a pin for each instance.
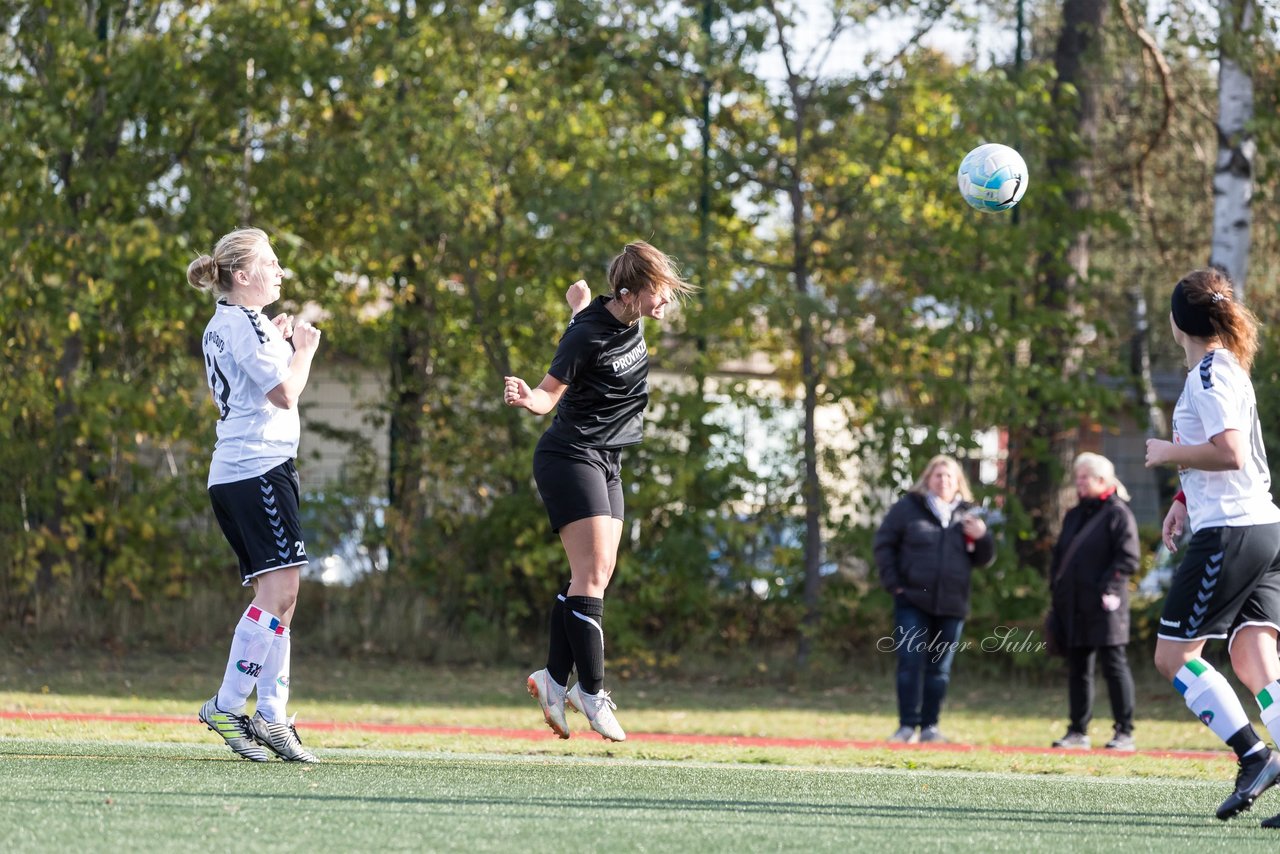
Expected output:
(550, 696)
(599, 711)
(281, 738)
(234, 728)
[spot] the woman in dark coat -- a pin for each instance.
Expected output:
(1092, 562)
(926, 549)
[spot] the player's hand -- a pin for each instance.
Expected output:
(1175, 522)
(305, 337)
(1159, 452)
(578, 296)
(516, 392)
(284, 322)
(1110, 602)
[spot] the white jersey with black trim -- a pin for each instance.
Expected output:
(245, 356)
(1218, 396)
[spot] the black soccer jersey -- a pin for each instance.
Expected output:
(605, 363)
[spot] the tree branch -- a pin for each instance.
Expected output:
(1152, 50)
(931, 17)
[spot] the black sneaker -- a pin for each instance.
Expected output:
(1274, 821)
(1257, 774)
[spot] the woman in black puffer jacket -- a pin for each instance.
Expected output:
(1095, 555)
(926, 548)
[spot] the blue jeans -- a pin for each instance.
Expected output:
(926, 646)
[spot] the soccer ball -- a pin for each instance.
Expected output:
(992, 177)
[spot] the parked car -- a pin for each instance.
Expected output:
(766, 557)
(1157, 580)
(344, 537)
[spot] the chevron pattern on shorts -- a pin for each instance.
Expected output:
(1208, 581)
(273, 517)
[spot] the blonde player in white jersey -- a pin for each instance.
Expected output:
(1228, 583)
(256, 370)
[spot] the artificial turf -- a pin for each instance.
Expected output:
(105, 796)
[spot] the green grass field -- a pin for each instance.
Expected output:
(63, 796)
(167, 786)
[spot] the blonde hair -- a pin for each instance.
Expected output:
(921, 486)
(1099, 466)
(235, 251)
(1234, 326)
(641, 266)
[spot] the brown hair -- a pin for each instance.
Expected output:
(640, 266)
(235, 251)
(1209, 292)
(921, 486)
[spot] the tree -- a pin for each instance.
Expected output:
(1042, 445)
(506, 152)
(110, 186)
(827, 147)
(94, 419)
(1233, 173)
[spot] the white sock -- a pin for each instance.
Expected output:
(1209, 696)
(273, 681)
(1269, 703)
(249, 648)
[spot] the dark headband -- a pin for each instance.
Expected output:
(1189, 318)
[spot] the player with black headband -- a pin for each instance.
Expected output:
(598, 385)
(256, 370)
(1228, 583)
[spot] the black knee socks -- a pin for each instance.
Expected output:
(559, 652)
(584, 627)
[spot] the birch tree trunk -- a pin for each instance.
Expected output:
(1233, 172)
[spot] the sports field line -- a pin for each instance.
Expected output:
(653, 737)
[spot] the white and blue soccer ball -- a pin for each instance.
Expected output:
(992, 177)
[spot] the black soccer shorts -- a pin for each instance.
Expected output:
(259, 518)
(1228, 578)
(577, 482)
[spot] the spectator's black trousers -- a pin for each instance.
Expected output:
(1115, 669)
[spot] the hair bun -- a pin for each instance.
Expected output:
(202, 273)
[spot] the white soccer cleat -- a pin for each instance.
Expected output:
(234, 728)
(282, 738)
(599, 711)
(550, 696)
